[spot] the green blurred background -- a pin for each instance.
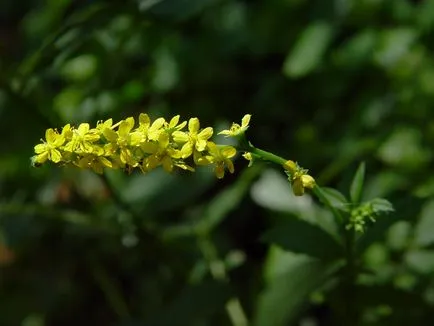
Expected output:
(329, 83)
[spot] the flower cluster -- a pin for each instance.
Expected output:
(144, 145)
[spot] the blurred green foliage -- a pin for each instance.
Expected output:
(330, 83)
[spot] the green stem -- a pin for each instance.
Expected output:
(111, 290)
(264, 155)
(320, 195)
(218, 271)
(349, 281)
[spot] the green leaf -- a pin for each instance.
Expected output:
(308, 50)
(393, 44)
(335, 198)
(356, 187)
(423, 232)
(273, 191)
(302, 237)
(289, 278)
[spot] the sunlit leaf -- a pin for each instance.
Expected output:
(308, 50)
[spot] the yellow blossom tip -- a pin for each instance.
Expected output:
(236, 129)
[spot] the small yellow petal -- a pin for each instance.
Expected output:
(206, 133)
(56, 157)
(174, 121)
(40, 148)
(83, 128)
(41, 158)
(187, 150)
(228, 151)
(193, 125)
(200, 145)
(163, 140)
(110, 135)
(50, 136)
(224, 132)
(144, 119)
(245, 121)
(180, 137)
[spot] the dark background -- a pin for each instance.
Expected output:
(329, 83)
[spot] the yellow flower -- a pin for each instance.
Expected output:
(193, 139)
(124, 139)
(221, 157)
(48, 150)
(161, 154)
(147, 131)
(82, 139)
(236, 129)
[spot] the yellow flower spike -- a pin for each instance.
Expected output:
(236, 129)
(48, 150)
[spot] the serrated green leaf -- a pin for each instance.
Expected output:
(299, 236)
(308, 50)
(356, 187)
